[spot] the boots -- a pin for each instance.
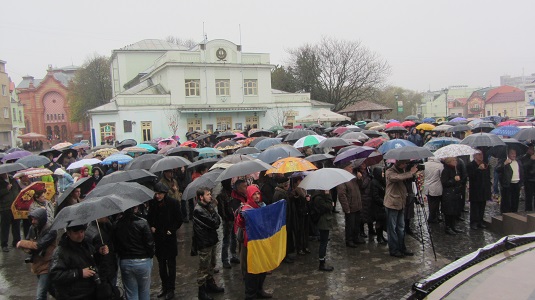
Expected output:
(202, 293)
(381, 239)
(324, 267)
(212, 287)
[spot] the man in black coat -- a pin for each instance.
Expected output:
(511, 174)
(528, 161)
(165, 218)
(479, 190)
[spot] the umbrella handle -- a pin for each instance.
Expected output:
(98, 227)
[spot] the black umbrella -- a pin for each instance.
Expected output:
(451, 123)
(316, 126)
(265, 143)
(372, 133)
(510, 143)
(227, 145)
(257, 140)
(411, 118)
(244, 168)
(66, 152)
(318, 157)
(54, 152)
(333, 142)
(11, 167)
(226, 135)
(137, 175)
(259, 133)
(169, 163)
(408, 152)
(130, 190)
(192, 132)
(396, 129)
(351, 135)
(274, 153)
(483, 127)
(179, 151)
(482, 140)
(144, 161)
(206, 180)
(81, 183)
(329, 129)
(209, 162)
(297, 134)
(459, 128)
(247, 150)
(526, 134)
(126, 143)
(34, 161)
(202, 137)
(342, 150)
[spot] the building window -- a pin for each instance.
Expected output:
(224, 123)
(290, 121)
(107, 131)
(127, 125)
(251, 122)
(250, 87)
(146, 130)
(192, 87)
(4, 88)
(222, 87)
(14, 115)
(6, 113)
(20, 115)
(194, 124)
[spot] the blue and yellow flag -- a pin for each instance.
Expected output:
(266, 234)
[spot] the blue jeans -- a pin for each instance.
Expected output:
(42, 287)
(229, 239)
(136, 278)
(395, 225)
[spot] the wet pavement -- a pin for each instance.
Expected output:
(366, 272)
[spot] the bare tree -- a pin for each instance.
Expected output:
(172, 116)
(278, 116)
(188, 43)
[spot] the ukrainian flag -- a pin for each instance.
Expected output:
(266, 234)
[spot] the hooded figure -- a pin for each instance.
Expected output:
(40, 243)
(415, 138)
(64, 179)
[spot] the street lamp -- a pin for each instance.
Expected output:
(400, 107)
(446, 100)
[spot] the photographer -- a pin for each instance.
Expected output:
(73, 272)
(40, 243)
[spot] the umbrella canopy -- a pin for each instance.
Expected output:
(32, 135)
(411, 118)
(425, 127)
(309, 141)
(527, 134)
(143, 162)
(62, 146)
(121, 159)
(208, 180)
(506, 131)
(325, 179)
(297, 134)
(230, 160)
(179, 151)
(54, 152)
(150, 148)
(227, 145)
(454, 150)
(190, 144)
(323, 115)
(395, 143)
(166, 148)
(428, 120)
(483, 127)
(378, 128)
(373, 159)
(167, 142)
(290, 165)
(201, 137)
(371, 133)
(247, 150)
(15, 149)
(319, 157)
(458, 119)
(355, 136)
(11, 167)
(393, 124)
(276, 128)
(263, 144)
(79, 146)
(353, 153)
(21, 205)
(80, 163)
(208, 162)
(16, 155)
(408, 124)
(482, 140)
(333, 142)
(274, 153)
(135, 149)
(105, 152)
(407, 153)
(459, 128)
(130, 190)
(396, 129)
(439, 142)
(208, 152)
(508, 123)
(137, 175)
(244, 168)
(169, 163)
(80, 183)
(34, 161)
(372, 124)
(375, 142)
(33, 173)
(511, 143)
(226, 135)
(442, 128)
(127, 143)
(261, 132)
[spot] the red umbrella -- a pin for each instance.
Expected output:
(508, 123)
(340, 130)
(393, 124)
(523, 124)
(407, 124)
(190, 144)
(376, 142)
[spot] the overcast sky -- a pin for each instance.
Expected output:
(428, 44)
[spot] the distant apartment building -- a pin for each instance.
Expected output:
(17, 115)
(517, 81)
(5, 108)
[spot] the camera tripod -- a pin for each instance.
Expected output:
(421, 218)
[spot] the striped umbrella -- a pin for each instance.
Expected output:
(309, 140)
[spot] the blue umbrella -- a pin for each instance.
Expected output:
(395, 143)
(458, 119)
(208, 152)
(266, 143)
(121, 159)
(428, 120)
(437, 143)
(506, 130)
(147, 146)
(393, 121)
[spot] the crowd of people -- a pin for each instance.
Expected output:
(84, 261)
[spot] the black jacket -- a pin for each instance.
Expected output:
(479, 187)
(206, 221)
(506, 172)
(165, 216)
(451, 191)
(378, 187)
(68, 261)
(529, 168)
(133, 238)
(107, 264)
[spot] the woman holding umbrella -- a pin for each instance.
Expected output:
(451, 194)
(39, 201)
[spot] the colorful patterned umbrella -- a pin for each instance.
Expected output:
(291, 164)
(106, 152)
(425, 127)
(376, 142)
(395, 143)
(506, 131)
(508, 123)
(62, 146)
(135, 149)
(309, 140)
(439, 142)
(393, 124)
(227, 145)
(33, 172)
(21, 206)
(454, 150)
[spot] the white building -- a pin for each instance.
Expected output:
(213, 86)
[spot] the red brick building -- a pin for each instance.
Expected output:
(46, 108)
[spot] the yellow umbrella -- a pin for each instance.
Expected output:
(291, 164)
(425, 127)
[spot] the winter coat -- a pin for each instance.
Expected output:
(41, 242)
(479, 187)
(166, 217)
(396, 190)
(506, 173)
(132, 237)
(239, 222)
(349, 196)
(267, 189)
(47, 205)
(107, 264)
(291, 213)
(226, 206)
(169, 184)
(451, 193)
(68, 261)
(206, 221)
(324, 204)
(432, 185)
(365, 186)
(64, 182)
(8, 196)
(416, 139)
(529, 168)
(378, 194)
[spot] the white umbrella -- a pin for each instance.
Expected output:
(325, 179)
(454, 150)
(83, 162)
